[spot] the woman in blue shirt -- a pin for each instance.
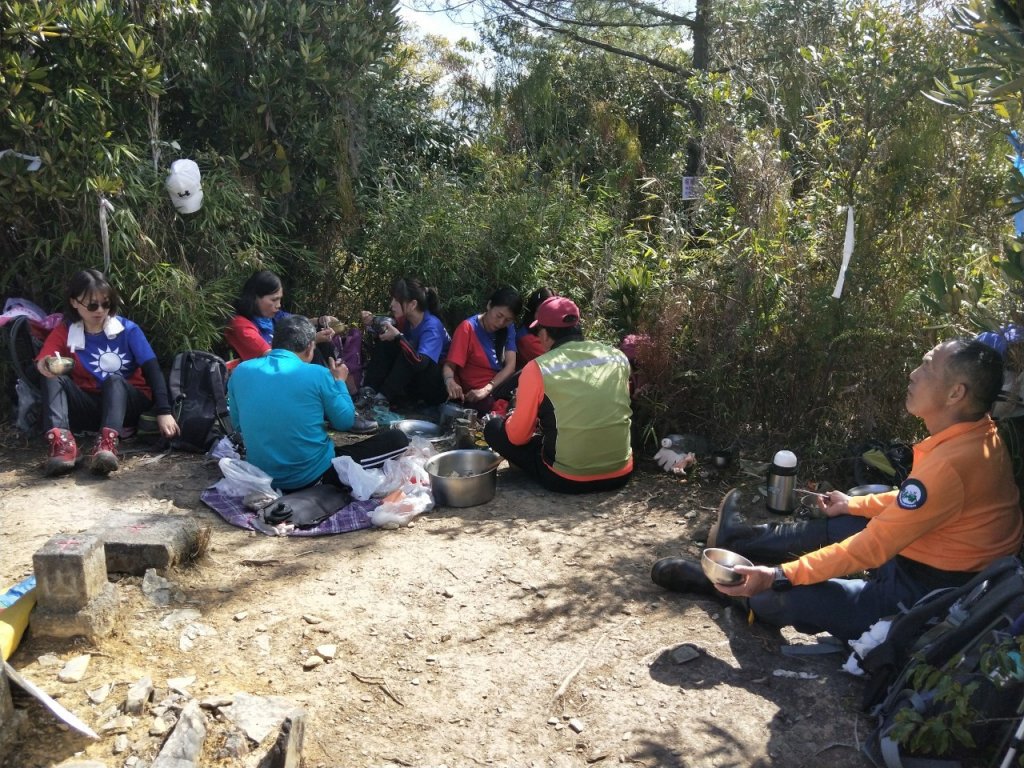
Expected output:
(405, 363)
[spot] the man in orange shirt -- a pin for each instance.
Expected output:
(957, 512)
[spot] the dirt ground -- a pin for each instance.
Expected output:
(479, 636)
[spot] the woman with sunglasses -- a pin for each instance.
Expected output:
(114, 378)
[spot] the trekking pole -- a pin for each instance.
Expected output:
(1014, 746)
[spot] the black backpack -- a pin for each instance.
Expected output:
(22, 347)
(198, 385)
(942, 641)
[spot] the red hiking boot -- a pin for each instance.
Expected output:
(63, 452)
(104, 454)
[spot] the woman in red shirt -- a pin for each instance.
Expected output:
(483, 351)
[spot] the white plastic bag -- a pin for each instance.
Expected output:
(401, 506)
(223, 448)
(363, 482)
(398, 473)
(241, 478)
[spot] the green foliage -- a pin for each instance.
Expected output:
(953, 708)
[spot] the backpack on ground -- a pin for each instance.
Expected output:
(938, 658)
(198, 386)
(23, 344)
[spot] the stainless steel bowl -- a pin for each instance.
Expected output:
(417, 428)
(463, 478)
(864, 490)
(60, 366)
(718, 565)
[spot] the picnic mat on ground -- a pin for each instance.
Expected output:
(354, 516)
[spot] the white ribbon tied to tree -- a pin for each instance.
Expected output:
(106, 208)
(847, 253)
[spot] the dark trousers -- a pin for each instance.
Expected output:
(847, 607)
(389, 372)
(369, 453)
(118, 404)
(529, 458)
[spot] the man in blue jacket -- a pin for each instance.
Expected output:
(280, 403)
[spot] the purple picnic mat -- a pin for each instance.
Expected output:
(354, 516)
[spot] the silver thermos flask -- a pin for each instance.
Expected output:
(781, 498)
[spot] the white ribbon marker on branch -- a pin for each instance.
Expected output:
(847, 253)
(105, 208)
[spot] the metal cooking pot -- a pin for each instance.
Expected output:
(477, 488)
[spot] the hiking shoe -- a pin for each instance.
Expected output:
(63, 452)
(363, 426)
(104, 454)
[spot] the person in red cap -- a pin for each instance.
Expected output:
(577, 392)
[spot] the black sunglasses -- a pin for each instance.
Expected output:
(92, 306)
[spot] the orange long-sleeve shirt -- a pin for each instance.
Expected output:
(958, 511)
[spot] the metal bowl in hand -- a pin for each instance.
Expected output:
(60, 366)
(718, 565)
(463, 478)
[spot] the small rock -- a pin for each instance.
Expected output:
(327, 652)
(74, 670)
(121, 724)
(311, 619)
(262, 642)
(236, 745)
(415, 681)
(99, 695)
(48, 660)
(448, 593)
(576, 724)
(160, 726)
(240, 616)
(181, 684)
(216, 702)
(312, 663)
(138, 696)
(684, 653)
(120, 744)
(552, 721)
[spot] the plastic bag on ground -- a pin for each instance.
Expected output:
(398, 473)
(242, 478)
(223, 448)
(400, 507)
(363, 482)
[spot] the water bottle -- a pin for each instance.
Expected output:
(781, 499)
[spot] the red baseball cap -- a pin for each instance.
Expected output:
(557, 312)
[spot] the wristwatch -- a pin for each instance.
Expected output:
(781, 583)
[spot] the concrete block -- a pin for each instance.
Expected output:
(70, 572)
(94, 621)
(134, 542)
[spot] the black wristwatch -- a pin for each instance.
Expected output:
(781, 582)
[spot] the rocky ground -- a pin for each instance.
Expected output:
(523, 632)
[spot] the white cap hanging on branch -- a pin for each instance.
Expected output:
(183, 186)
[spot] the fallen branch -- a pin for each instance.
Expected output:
(579, 667)
(380, 682)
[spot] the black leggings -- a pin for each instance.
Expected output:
(529, 458)
(68, 406)
(369, 453)
(389, 372)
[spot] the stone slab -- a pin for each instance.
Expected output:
(184, 746)
(70, 571)
(286, 750)
(135, 542)
(96, 620)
